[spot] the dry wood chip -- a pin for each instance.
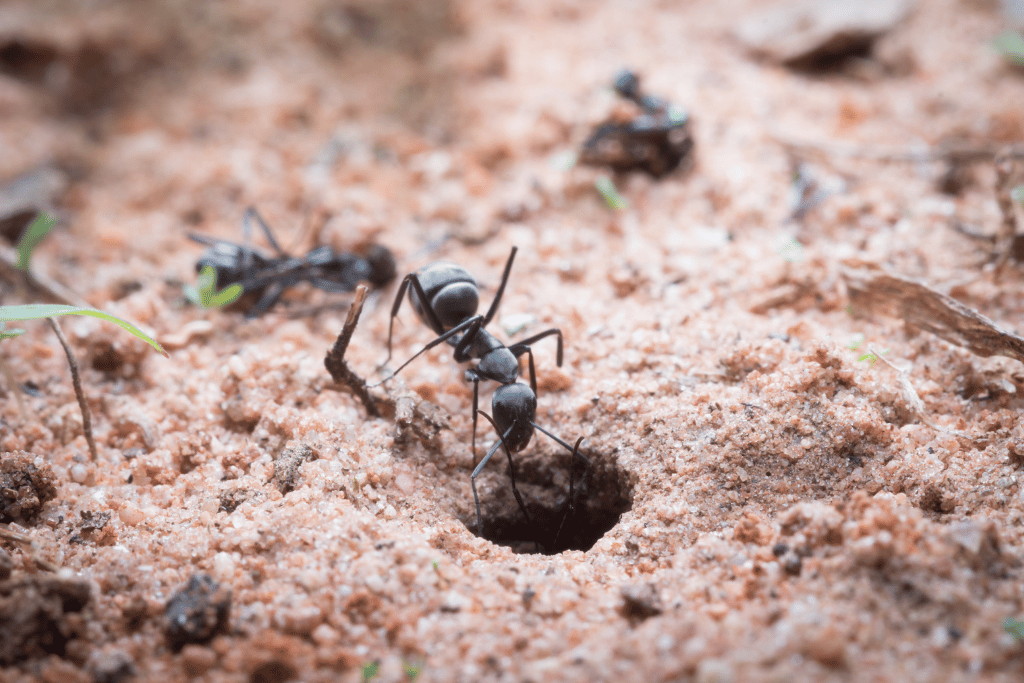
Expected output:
(872, 288)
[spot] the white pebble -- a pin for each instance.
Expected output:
(223, 566)
(131, 514)
(79, 473)
(238, 367)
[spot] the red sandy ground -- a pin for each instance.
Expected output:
(791, 518)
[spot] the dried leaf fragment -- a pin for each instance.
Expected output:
(872, 288)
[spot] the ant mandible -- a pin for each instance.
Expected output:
(445, 297)
(266, 277)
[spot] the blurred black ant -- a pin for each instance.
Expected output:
(266, 277)
(445, 298)
(655, 141)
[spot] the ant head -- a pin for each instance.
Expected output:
(382, 265)
(499, 365)
(514, 407)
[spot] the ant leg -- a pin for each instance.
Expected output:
(428, 308)
(203, 239)
(476, 398)
(462, 353)
(526, 343)
(575, 452)
(511, 469)
(268, 299)
(251, 214)
(501, 288)
(533, 370)
(440, 340)
(394, 313)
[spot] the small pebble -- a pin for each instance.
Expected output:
(79, 473)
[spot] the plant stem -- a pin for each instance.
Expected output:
(79, 394)
(12, 386)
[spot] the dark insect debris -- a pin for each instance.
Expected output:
(265, 278)
(33, 616)
(286, 467)
(196, 613)
(655, 140)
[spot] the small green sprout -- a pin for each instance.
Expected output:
(1017, 194)
(872, 357)
(1015, 628)
(606, 188)
(1010, 45)
(370, 671)
(37, 230)
(435, 565)
(676, 115)
(412, 669)
(41, 311)
(858, 339)
(792, 251)
(206, 295)
(9, 334)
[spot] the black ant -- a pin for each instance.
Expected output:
(656, 140)
(266, 277)
(445, 298)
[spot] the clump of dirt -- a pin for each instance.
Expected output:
(196, 613)
(36, 616)
(286, 467)
(26, 484)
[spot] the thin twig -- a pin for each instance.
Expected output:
(335, 363)
(38, 559)
(12, 386)
(77, 382)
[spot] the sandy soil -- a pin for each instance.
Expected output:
(762, 505)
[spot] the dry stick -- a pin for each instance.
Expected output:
(335, 359)
(77, 382)
(38, 559)
(12, 385)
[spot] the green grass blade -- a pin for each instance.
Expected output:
(192, 294)
(9, 334)
(38, 229)
(611, 196)
(1011, 46)
(1015, 628)
(40, 311)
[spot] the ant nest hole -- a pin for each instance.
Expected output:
(600, 499)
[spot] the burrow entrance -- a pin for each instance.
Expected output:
(543, 480)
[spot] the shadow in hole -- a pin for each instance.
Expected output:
(544, 483)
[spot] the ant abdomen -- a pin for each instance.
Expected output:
(452, 292)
